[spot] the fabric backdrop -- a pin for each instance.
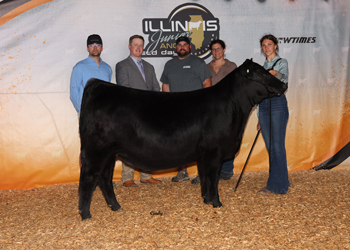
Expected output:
(42, 40)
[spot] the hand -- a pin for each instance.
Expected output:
(258, 126)
(274, 72)
(165, 87)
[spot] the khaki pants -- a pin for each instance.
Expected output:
(128, 173)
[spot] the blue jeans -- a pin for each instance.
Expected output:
(227, 166)
(278, 179)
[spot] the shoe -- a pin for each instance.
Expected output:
(196, 180)
(151, 180)
(225, 176)
(182, 175)
(130, 183)
(264, 191)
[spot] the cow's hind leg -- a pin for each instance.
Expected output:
(106, 184)
(209, 167)
(87, 184)
(204, 186)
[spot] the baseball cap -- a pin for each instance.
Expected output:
(183, 38)
(94, 39)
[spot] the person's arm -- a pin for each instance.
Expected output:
(155, 83)
(76, 80)
(207, 83)
(121, 75)
(281, 72)
(164, 78)
(165, 87)
(110, 74)
(204, 73)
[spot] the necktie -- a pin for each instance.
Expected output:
(141, 70)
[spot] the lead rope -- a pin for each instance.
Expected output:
(270, 139)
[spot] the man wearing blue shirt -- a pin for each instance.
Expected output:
(91, 67)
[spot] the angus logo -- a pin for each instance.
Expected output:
(191, 20)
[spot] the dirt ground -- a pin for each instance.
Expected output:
(314, 214)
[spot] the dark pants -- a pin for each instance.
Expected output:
(227, 166)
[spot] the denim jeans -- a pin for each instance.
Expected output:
(227, 166)
(278, 179)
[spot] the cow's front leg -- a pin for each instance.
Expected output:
(209, 167)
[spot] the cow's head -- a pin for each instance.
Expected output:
(257, 73)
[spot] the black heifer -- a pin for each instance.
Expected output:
(154, 130)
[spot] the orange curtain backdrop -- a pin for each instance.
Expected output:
(41, 41)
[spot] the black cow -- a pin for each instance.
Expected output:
(155, 130)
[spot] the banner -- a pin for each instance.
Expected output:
(42, 40)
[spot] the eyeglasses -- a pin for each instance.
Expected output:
(217, 49)
(94, 45)
(182, 45)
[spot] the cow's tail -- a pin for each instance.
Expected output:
(87, 90)
(83, 109)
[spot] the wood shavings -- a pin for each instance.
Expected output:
(314, 214)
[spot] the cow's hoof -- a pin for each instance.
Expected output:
(217, 204)
(85, 217)
(89, 218)
(207, 201)
(115, 207)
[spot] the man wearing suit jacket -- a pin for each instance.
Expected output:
(133, 72)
